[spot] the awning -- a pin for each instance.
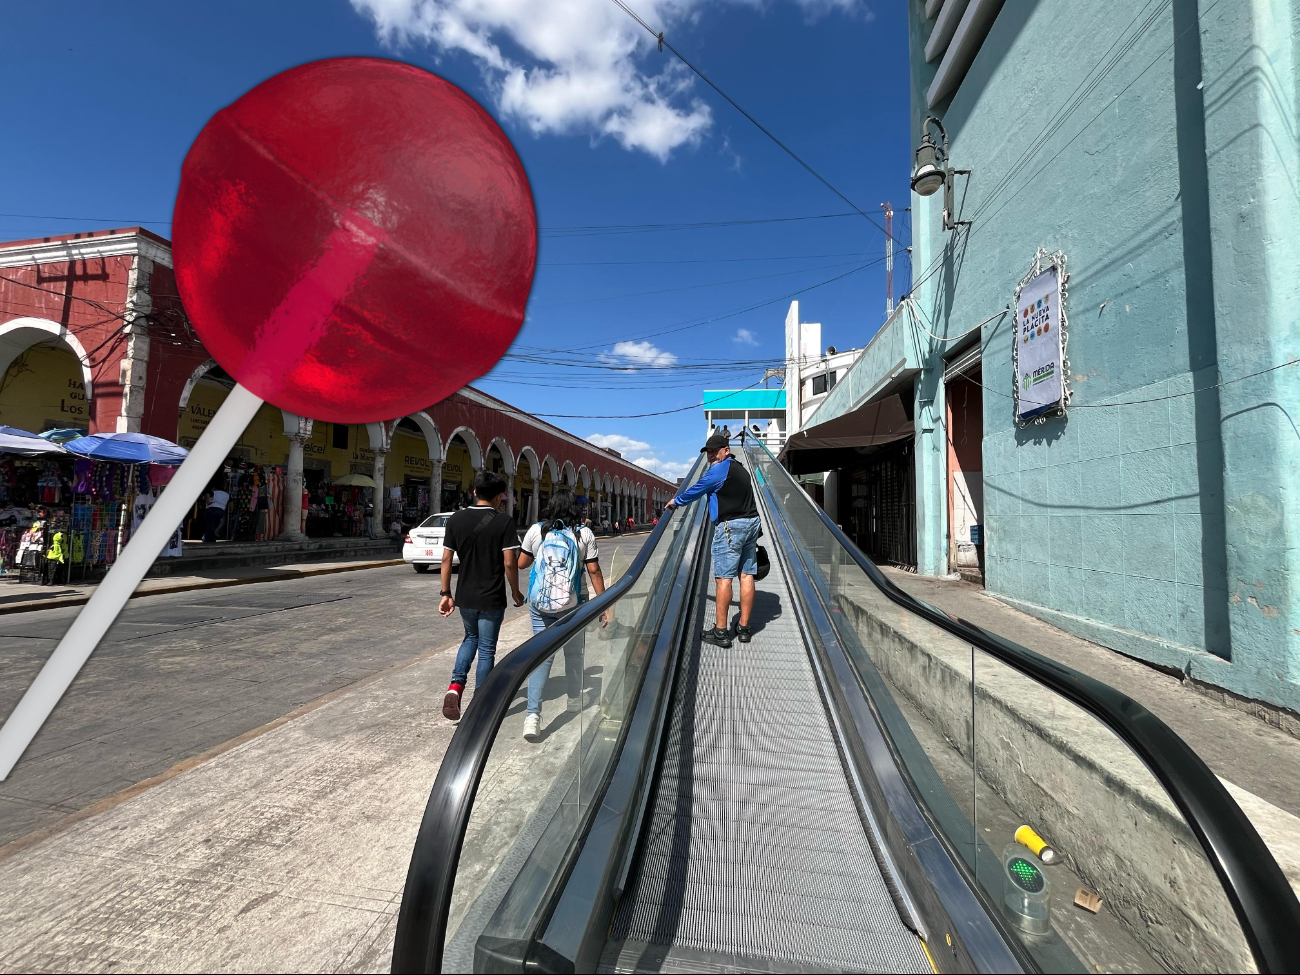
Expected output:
(818, 448)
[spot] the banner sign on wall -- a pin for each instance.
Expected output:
(1038, 352)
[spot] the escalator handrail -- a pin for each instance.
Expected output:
(426, 897)
(1259, 892)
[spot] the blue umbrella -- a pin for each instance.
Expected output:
(128, 448)
(15, 441)
(61, 435)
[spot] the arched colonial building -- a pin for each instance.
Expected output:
(93, 335)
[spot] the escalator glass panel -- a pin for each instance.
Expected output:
(535, 797)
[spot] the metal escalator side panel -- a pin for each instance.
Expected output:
(431, 878)
(934, 893)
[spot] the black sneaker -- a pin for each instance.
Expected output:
(717, 636)
(743, 633)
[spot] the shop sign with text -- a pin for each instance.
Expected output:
(1038, 353)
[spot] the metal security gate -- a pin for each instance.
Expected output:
(883, 491)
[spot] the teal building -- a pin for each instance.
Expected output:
(1152, 151)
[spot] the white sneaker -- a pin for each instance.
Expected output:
(533, 727)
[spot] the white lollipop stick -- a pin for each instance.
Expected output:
(111, 595)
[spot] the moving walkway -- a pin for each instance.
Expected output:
(845, 793)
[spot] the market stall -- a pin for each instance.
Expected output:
(116, 478)
(338, 509)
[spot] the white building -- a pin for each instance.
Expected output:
(810, 369)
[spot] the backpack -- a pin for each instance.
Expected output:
(553, 586)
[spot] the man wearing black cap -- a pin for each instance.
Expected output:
(735, 537)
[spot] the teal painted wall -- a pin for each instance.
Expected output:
(1160, 153)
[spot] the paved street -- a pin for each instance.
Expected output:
(184, 675)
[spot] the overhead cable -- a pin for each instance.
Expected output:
(663, 43)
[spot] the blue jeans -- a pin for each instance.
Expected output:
(482, 627)
(573, 663)
(735, 548)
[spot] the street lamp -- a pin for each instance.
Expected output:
(931, 170)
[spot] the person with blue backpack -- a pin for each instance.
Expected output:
(557, 550)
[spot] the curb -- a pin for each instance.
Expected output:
(79, 600)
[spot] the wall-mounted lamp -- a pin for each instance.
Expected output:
(931, 170)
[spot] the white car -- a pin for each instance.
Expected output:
(423, 545)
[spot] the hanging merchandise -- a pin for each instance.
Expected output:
(141, 507)
(161, 475)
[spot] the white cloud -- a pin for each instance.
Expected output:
(670, 469)
(633, 354)
(745, 337)
(568, 66)
(563, 67)
(815, 10)
(616, 441)
(640, 453)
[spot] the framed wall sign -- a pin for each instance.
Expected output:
(1042, 386)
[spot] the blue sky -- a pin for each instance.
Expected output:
(104, 100)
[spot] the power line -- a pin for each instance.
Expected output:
(1153, 399)
(594, 230)
(693, 287)
(699, 260)
(718, 318)
(629, 416)
(663, 43)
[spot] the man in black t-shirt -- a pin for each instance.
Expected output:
(488, 545)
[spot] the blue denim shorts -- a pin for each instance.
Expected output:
(735, 548)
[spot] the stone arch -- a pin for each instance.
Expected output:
(20, 334)
(188, 389)
(553, 468)
(507, 455)
(534, 465)
(432, 436)
(609, 485)
(569, 474)
(584, 478)
(470, 440)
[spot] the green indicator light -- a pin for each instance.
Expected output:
(1026, 875)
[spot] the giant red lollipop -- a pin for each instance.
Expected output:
(354, 240)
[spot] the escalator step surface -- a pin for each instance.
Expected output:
(753, 854)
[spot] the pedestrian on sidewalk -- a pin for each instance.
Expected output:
(215, 513)
(557, 553)
(631, 525)
(735, 535)
(488, 545)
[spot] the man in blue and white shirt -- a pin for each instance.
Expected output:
(735, 537)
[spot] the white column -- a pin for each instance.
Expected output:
(510, 495)
(291, 527)
(435, 486)
(534, 504)
(377, 526)
(135, 364)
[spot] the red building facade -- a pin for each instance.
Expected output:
(109, 299)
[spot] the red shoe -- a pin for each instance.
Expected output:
(451, 703)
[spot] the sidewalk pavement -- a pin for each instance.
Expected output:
(16, 597)
(1259, 764)
(283, 850)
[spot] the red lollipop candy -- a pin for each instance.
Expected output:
(354, 239)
